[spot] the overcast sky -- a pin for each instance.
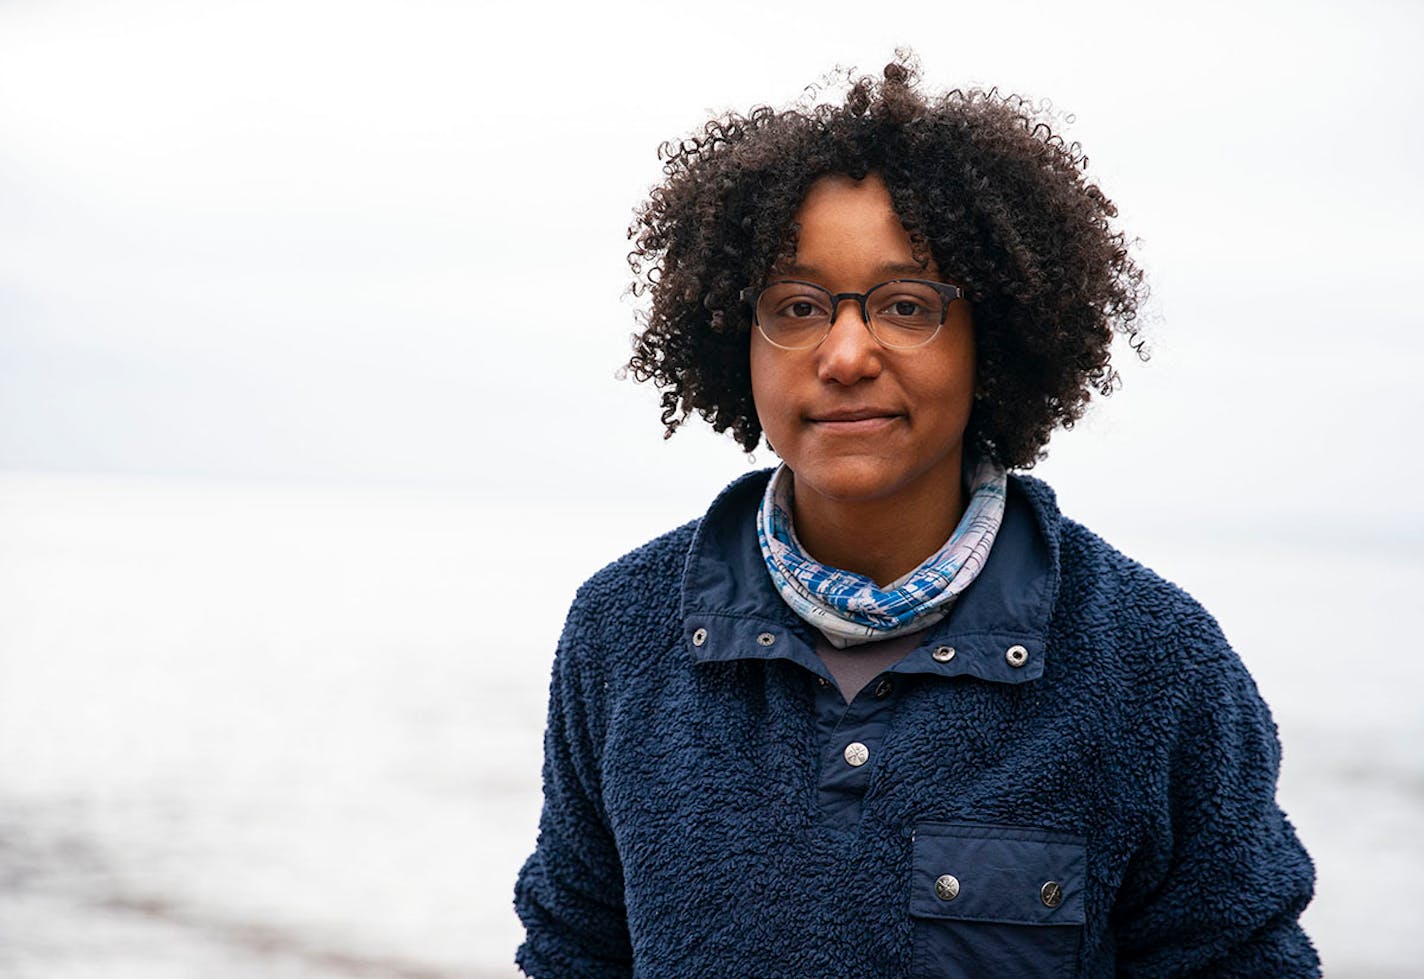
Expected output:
(290, 240)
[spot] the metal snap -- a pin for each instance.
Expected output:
(856, 754)
(765, 639)
(1017, 656)
(883, 688)
(947, 887)
(943, 654)
(1051, 894)
(699, 637)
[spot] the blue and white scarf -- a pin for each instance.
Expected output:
(849, 608)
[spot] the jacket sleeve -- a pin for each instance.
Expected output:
(570, 891)
(1219, 890)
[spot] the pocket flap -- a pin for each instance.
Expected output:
(984, 872)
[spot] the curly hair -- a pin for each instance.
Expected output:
(980, 182)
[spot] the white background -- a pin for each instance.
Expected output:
(298, 482)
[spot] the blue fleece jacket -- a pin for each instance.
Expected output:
(1073, 775)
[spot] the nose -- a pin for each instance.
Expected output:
(849, 353)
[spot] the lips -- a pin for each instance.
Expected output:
(854, 414)
(854, 421)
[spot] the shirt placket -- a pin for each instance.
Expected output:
(851, 738)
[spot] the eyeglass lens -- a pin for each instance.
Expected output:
(799, 314)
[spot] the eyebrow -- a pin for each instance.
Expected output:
(887, 268)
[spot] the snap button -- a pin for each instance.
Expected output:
(1051, 894)
(1017, 656)
(883, 688)
(943, 654)
(765, 639)
(825, 684)
(856, 754)
(699, 637)
(947, 887)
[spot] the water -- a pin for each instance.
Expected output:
(289, 733)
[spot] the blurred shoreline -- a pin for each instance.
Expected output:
(280, 731)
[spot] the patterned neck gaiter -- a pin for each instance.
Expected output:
(849, 608)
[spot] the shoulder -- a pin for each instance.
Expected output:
(1108, 585)
(632, 607)
(1156, 667)
(1097, 577)
(620, 616)
(659, 561)
(1123, 617)
(646, 579)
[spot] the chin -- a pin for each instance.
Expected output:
(849, 481)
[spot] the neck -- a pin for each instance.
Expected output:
(881, 539)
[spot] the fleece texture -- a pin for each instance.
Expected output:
(1073, 775)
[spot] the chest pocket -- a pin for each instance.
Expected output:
(988, 901)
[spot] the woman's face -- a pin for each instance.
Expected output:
(853, 420)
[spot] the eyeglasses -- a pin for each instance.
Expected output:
(900, 314)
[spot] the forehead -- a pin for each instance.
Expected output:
(848, 229)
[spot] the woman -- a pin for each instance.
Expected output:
(884, 711)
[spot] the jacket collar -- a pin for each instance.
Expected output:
(997, 629)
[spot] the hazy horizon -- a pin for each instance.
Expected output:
(266, 241)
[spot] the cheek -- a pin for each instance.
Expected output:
(765, 388)
(947, 383)
(958, 367)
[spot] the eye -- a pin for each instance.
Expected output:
(798, 309)
(792, 301)
(907, 305)
(793, 314)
